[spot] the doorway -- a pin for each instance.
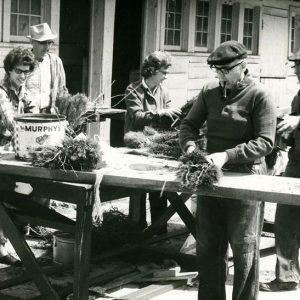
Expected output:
(74, 43)
(126, 58)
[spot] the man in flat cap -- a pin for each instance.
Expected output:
(287, 217)
(48, 80)
(241, 124)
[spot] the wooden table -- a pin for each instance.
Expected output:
(133, 172)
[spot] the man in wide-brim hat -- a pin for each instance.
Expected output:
(48, 80)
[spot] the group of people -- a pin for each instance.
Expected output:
(241, 121)
(241, 125)
(33, 80)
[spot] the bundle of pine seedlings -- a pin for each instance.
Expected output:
(73, 107)
(139, 139)
(196, 171)
(79, 153)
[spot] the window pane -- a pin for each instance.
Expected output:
(35, 21)
(248, 28)
(23, 28)
(13, 24)
(24, 6)
(178, 21)
(35, 7)
(24, 13)
(226, 23)
(171, 5)
(173, 22)
(177, 38)
(169, 37)
(202, 15)
(14, 6)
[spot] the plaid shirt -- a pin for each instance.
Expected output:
(12, 102)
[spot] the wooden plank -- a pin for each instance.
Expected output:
(7, 297)
(27, 257)
(153, 290)
(135, 207)
(37, 220)
(82, 246)
(26, 277)
(283, 190)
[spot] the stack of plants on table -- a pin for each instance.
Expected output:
(77, 152)
(80, 153)
(160, 139)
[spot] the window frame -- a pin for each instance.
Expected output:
(163, 21)
(193, 17)
(188, 22)
(293, 11)
(18, 38)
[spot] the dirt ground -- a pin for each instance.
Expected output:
(42, 249)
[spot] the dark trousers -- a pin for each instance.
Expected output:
(287, 235)
(220, 221)
(158, 205)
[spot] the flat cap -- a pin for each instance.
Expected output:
(295, 56)
(226, 53)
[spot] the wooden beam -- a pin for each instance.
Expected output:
(82, 246)
(27, 257)
(153, 290)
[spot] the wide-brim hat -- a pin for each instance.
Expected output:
(41, 32)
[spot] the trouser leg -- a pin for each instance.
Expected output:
(245, 220)
(211, 249)
(287, 230)
(158, 206)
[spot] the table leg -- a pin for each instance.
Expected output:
(27, 257)
(165, 217)
(135, 207)
(83, 245)
(182, 211)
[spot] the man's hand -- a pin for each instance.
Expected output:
(172, 113)
(288, 124)
(218, 158)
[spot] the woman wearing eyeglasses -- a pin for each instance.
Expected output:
(14, 99)
(147, 101)
(241, 124)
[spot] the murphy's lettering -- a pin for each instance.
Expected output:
(36, 128)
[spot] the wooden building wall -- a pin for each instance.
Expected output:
(50, 12)
(270, 66)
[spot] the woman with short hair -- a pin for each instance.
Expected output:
(14, 99)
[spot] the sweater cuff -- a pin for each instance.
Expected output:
(188, 144)
(231, 154)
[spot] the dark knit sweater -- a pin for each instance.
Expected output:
(243, 123)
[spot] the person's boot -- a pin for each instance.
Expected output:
(277, 286)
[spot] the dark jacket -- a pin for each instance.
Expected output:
(142, 107)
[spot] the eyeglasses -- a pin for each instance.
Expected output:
(19, 71)
(224, 70)
(163, 72)
(48, 43)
